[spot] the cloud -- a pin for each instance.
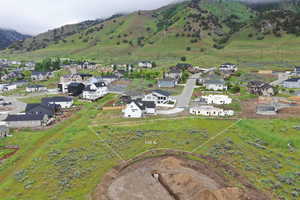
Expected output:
(36, 16)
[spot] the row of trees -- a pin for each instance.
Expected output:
(48, 64)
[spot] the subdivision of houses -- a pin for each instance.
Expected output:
(139, 108)
(217, 84)
(94, 91)
(260, 88)
(210, 111)
(160, 98)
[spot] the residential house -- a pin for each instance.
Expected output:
(95, 91)
(36, 88)
(68, 79)
(75, 89)
(183, 66)
(167, 83)
(26, 120)
(210, 111)
(217, 99)
(145, 64)
(174, 73)
(12, 75)
(4, 131)
(260, 88)
(30, 64)
(41, 76)
(228, 67)
(63, 102)
(138, 109)
(40, 108)
(9, 87)
(218, 84)
(297, 71)
(265, 109)
(292, 83)
(160, 98)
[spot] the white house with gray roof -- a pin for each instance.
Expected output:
(292, 83)
(218, 84)
(161, 98)
(139, 108)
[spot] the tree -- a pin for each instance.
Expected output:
(183, 58)
(188, 48)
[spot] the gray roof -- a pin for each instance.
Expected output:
(266, 108)
(26, 117)
(215, 81)
(56, 99)
(164, 93)
(293, 80)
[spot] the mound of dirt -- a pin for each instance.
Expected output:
(170, 178)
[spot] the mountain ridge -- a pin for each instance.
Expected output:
(8, 36)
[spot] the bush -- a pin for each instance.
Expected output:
(188, 48)
(183, 58)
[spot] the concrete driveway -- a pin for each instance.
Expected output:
(15, 108)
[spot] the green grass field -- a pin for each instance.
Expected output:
(68, 161)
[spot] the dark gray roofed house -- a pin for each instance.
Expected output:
(26, 121)
(75, 89)
(161, 92)
(47, 109)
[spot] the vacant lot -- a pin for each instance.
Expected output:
(69, 160)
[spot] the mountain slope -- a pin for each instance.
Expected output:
(200, 30)
(7, 37)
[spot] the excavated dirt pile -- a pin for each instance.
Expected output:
(171, 178)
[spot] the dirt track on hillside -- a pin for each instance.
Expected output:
(174, 178)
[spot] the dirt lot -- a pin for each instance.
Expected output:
(172, 178)
(249, 111)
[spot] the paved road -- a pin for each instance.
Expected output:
(184, 99)
(281, 77)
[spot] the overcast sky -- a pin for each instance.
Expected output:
(36, 16)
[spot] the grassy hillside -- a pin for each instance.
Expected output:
(205, 33)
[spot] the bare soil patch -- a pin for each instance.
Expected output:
(249, 111)
(173, 177)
